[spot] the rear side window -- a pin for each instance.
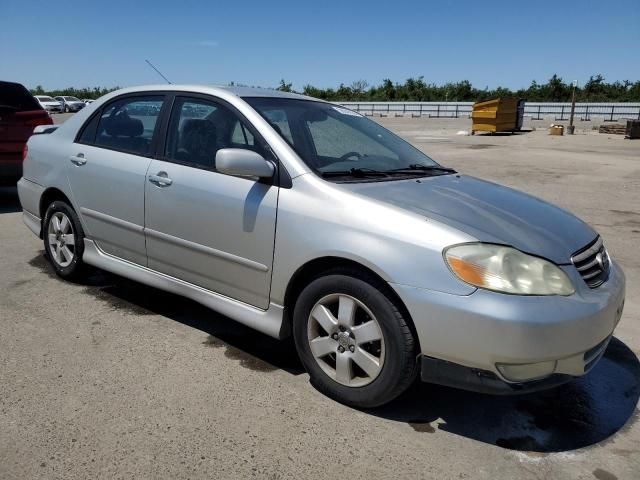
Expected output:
(127, 125)
(14, 97)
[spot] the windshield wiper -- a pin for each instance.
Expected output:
(414, 169)
(355, 172)
(419, 168)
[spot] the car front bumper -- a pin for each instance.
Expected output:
(474, 334)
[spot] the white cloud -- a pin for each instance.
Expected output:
(206, 43)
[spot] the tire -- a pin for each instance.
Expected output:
(64, 241)
(385, 369)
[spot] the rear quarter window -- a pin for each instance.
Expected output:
(16, 97)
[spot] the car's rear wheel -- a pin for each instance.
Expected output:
(64, 240)
(353, 340)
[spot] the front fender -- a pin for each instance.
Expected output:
(316, 220)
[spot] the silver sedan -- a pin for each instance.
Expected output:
(299, 217)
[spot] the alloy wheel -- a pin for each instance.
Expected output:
(61, 239)
(346, 340)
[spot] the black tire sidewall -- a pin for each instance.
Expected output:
(393, 377)
(76, 266)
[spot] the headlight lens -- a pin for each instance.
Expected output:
(505, 269)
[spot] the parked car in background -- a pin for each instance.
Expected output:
(88, 100)
(383, 264)
(50, 104)
(19, 114)
(71, 104)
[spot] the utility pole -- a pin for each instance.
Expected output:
(571, 128)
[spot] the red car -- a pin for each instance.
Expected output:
(20, 112)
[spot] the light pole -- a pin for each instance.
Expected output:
(571, 128)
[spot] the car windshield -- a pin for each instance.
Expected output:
(333, 140)
(71, 99)
(46, 99)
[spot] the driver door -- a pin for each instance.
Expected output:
(212, 230)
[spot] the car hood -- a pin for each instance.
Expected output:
(488, 212)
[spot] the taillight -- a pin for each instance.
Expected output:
(25, 151)
(41, 120)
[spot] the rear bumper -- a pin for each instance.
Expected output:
(30, 194)
(483, 330)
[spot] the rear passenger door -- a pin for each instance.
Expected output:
(107, 169)
(209, 229)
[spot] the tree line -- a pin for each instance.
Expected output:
(597, 89)
(81, 93)
(418, 90)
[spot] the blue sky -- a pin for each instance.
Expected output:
(490, 43)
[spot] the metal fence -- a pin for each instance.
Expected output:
(610, 112)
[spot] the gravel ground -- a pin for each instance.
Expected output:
(112, 379)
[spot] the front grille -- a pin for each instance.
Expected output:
(592, 263)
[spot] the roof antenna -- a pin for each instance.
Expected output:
(158, 71)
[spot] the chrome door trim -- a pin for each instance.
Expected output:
(206, 250)
(269, 322)
(112, 220)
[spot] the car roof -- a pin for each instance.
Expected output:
(214, 89)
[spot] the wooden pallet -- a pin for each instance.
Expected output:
(613, 128)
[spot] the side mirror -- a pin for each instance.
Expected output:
(247, 163)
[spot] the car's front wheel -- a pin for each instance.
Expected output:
(353, 340)
(64, 240)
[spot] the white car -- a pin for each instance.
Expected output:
(71, 104)
(87, 101)
(50, 104)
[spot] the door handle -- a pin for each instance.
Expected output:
(78, 160)
(161, 179)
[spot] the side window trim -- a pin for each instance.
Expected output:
(158, 144)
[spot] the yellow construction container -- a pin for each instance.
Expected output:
(498, 115)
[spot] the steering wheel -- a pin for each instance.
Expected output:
(350, 154)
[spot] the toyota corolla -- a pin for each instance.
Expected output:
(299, 217)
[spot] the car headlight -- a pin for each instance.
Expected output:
(505, 269)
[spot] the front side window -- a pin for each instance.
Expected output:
(199, 128)
(332, 139)
(127, 125)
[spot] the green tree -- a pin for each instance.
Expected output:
(284, 86)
